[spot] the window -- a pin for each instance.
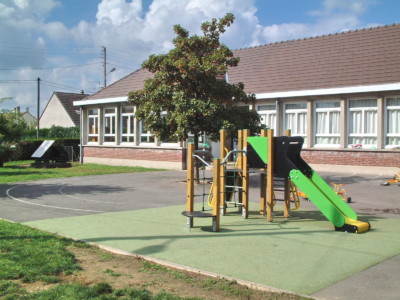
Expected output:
(145, 136)
(296, 119)
(109, 121)
(268, 115)
(393, 122)
(171, 140)
(327, 120)
(363, 122)
(127, 124)
(93, 125)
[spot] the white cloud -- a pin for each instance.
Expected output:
(124, 27)
(335, 16)
(117, 12)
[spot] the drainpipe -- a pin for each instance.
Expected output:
(81, 136)
(278, 117)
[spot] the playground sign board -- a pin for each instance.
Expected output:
(42, 149)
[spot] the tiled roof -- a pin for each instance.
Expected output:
(120, 88)
(360, 57)
(353, 58)
(67, 100)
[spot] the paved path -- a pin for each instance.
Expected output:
(57, 198)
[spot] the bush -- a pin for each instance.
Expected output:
(54, 132)
(5, 154)
(25, 149)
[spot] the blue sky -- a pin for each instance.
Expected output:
(61, 41)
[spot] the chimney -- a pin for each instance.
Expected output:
(27, 109)
(17, 110)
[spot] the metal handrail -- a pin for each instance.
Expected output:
(202, 160)
(231, 152)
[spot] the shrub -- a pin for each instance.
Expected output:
(5, 154)
(54, 132)
(25, 149)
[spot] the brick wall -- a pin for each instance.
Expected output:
(352, 157)
(150, 154)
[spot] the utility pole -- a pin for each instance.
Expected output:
(105, 65)
(38, 107)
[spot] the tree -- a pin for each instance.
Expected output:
(188, 92)
(12, 127)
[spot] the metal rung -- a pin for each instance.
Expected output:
(234, 186)
(198, 195)
(236, 203)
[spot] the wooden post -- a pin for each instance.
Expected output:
(263, 185)
(245, 179)
(270, 176)
(286, 197)
(222, 179)
(216, 195)
(190, 183)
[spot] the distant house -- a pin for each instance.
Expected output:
(29, 119)
(60, 111)
(340, 92)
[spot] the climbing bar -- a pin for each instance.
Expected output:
(234, 186)
(198, 195)
(202, 160)
(231, 152)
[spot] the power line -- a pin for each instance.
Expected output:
(63, 67)
(57, 85)
(16, 81)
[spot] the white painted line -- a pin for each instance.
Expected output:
(49, 206)
(60, 190)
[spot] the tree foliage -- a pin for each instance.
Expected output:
(188, 92)
(12, 125)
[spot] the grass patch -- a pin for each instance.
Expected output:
(21, 171)
(30, 255)
(99, 291)
(112, 273)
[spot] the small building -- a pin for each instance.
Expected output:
(60, 110)
(29, 119)
(340, 92)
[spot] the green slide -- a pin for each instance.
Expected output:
(337, 211)
(289, 164)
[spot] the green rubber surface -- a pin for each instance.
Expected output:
(302, 255)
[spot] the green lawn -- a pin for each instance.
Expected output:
(28, 255)
(21, 171)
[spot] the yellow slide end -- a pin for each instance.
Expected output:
(354, 226)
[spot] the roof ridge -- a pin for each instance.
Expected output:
(320, 36)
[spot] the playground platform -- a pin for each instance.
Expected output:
(140, 213)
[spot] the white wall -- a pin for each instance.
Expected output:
(55, 114)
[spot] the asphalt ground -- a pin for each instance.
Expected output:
(56, 199)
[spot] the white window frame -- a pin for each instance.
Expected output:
(113, 124)
(388, 135)
(131, 126)
(329, 111)
(168, 144)
(297, 112)
(93, 133)
(148, 135)
(267, 115)
(363, 134)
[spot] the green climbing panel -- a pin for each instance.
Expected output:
(260, 145)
